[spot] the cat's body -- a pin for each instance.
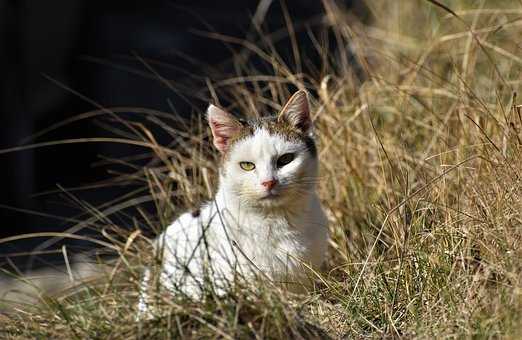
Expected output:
(265, 218)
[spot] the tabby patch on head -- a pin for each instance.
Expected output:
(267, 161)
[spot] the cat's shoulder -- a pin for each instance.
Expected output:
(188, 221)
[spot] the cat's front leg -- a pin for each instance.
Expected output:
(144, 303)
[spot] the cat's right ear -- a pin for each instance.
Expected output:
(296, 112)
(224, 126)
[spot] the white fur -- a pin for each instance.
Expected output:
(241, 232)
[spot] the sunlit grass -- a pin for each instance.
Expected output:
(420, 177)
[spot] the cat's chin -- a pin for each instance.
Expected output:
(272, 201)
(270, 197)
(272, 204)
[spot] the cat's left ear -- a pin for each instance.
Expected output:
(224, 127)
(296, 112)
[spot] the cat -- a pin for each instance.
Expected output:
(265, 218)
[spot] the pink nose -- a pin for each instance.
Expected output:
(269, 184)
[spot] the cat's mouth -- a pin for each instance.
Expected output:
(270, 196)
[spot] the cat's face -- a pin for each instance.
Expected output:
(269, 162)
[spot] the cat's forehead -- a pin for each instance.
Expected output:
(275, 127)
(264, 143)
(272, 126)
(267, 136)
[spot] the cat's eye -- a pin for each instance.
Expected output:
(285, 159)
(247, 166)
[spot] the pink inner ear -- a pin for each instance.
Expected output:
(221, 133)
(223, 125)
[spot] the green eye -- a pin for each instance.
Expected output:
(285, 159)
(247, 166)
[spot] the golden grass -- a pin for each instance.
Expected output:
(420, 178)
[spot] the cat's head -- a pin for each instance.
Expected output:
(267, 162)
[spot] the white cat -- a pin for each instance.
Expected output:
(266, 217)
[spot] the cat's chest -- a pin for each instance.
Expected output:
(264, 236)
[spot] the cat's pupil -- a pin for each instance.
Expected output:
(285, 159)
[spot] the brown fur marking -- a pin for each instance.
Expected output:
(274, 125)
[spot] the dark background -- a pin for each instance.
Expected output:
(93, 48)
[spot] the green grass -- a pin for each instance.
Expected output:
(421, 179)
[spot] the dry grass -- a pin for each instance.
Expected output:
(420, 177)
